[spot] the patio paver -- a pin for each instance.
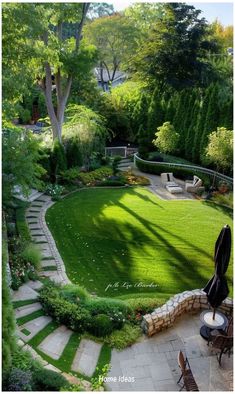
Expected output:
(154, 361)
(86, 357)
(27, 309)
(33, 326)
(53, 345)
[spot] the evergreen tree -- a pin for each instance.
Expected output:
(170, 110)
(58, 158)
(212, 117)
(155, 114)
(189, 142)
(143, 141)
(73, 153)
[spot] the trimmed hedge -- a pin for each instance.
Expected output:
(181, 173)
(97, 175)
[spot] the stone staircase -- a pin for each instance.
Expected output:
(54, 344)
(125, 164)
(34, 194)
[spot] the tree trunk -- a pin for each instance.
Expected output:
(62, 93)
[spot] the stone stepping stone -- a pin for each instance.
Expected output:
(47, 255)
(48, 263)
(35, 284)
(52, 275)
(27, 309)
(34, 209)
(33, 221)
(34, 227)
(46, 251)
(24, 293)
(53, 345)
(37, 232)
(39, 238)
(33, 327)
(86, 357)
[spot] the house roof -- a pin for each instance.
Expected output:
(118, 74)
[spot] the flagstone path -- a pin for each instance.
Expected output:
(86, 357)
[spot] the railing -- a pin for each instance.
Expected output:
(207, 171)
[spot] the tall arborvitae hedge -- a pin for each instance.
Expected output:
(8, 320)
(156, 114)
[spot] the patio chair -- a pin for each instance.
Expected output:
(194, 186)
(224, 343)
(186, 374)
(167, 177)
(168, 181)
(228, 331)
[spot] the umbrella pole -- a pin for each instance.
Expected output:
(214, 314)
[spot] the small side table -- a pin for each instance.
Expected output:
(218, 323)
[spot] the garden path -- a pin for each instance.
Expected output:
(52, 344)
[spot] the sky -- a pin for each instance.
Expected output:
(210, 10)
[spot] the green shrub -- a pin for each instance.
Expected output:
(144, 305)
(70, 176)
(97, 175)
(46, 380)
(11, 229)
(74, 293)
(101, 325)
(120, 339)
(25, 116)
(64, 312)
(55, 191)
(115, 163)
(32, 254)
(22, 360)
(21, 225)
(73, 153)
(58, 158)
(19, 380)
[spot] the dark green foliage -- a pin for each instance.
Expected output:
(101, 325)
(21, 225)
(19, 380)
(115, 163)
(46, 380)
(107, 306)
(58, 158)
(73, 153)
(212, 119)
(143, 140)
(155, 114)
(64, 312)
(111, 183)
(8, 320)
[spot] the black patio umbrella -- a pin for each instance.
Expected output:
(217, 287)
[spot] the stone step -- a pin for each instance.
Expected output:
(33, 327)
(86, 357)
(35, 284)
(48, 263)
(25, 292)
(53, 345)
(37, 232)
(39, 238)
(27, 309)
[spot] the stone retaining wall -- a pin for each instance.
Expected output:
(164, 316)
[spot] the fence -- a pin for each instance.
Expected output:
(122, 151)
(156, 167)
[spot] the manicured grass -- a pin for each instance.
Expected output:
(37, 339)
(49, 268)
(104, 359)
(32, 316)
(130, 239)
(17, 304)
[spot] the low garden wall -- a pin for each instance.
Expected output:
(164, 317)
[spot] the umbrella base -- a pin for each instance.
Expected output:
(205, 332)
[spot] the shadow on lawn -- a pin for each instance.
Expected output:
(112, 243)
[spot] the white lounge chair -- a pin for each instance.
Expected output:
(194, 186)
(168, 181)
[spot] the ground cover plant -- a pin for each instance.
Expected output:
(127, 243)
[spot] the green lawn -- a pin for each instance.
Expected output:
(131, 240)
